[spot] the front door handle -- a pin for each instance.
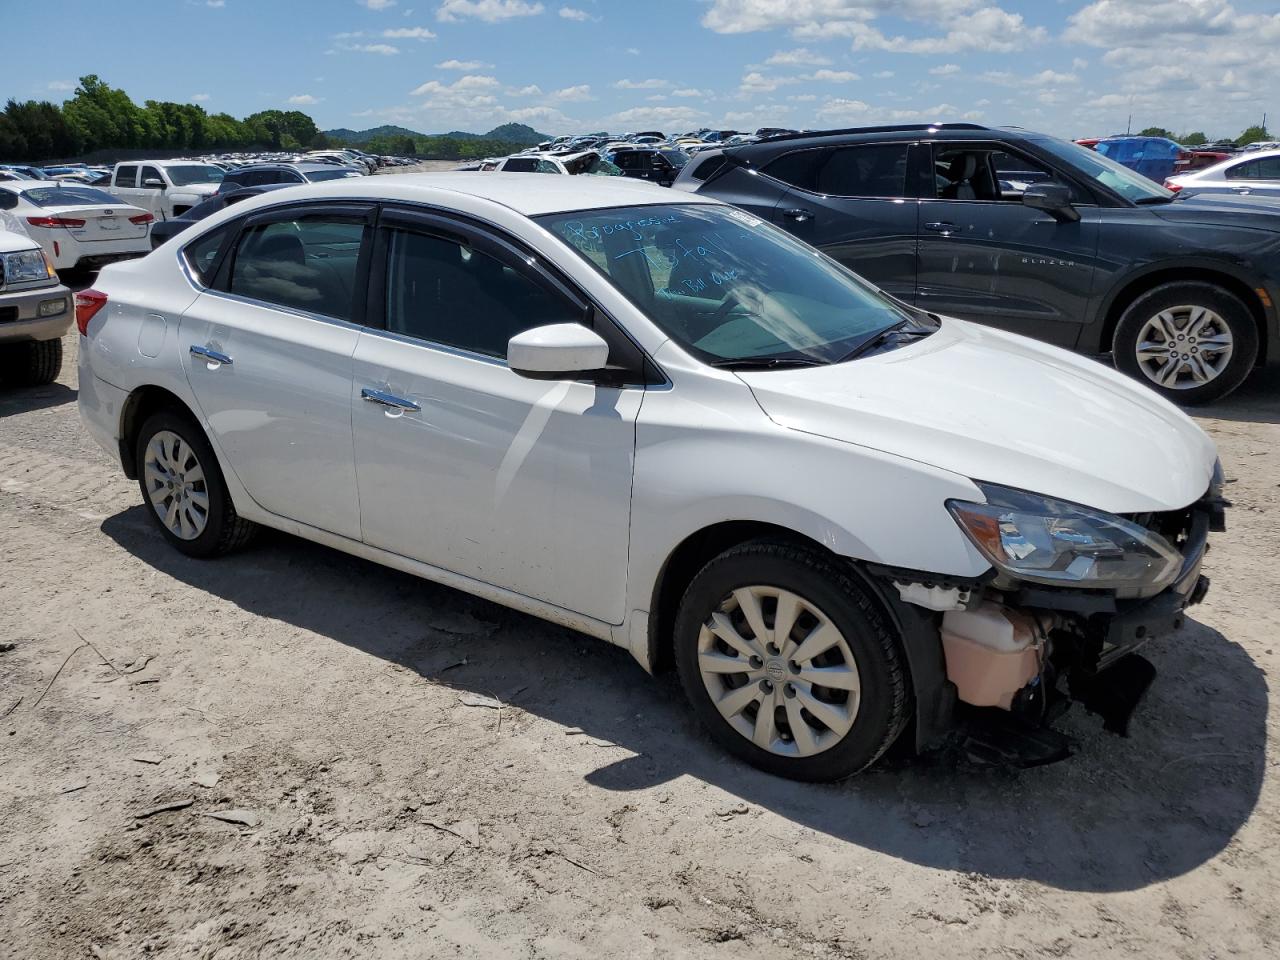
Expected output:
(942, 227)
(215, 358)
(799, 215)
(388, 400)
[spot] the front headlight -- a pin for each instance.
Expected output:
(1063, 544)
(26, 265)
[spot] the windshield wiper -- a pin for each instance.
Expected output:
(765, 363)
(876, 339)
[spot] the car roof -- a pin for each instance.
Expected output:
(518, 191)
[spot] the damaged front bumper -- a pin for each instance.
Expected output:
(1016, 654)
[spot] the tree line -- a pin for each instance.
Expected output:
(1197, 138)
(99, 117)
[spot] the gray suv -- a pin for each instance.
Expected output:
(1028, 233)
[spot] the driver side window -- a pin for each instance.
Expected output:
(985, 173)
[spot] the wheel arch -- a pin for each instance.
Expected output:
(933, 695)
(1131, 288)
(140, 404)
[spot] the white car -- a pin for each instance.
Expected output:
(165, 188)
(665, 423)
(588, 162)
(78, 226)
(35, 311)
(1253, 174)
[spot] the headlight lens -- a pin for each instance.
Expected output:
(25, 266)
(1064, 544)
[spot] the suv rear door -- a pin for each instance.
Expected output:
(985, 256)
(855, 202)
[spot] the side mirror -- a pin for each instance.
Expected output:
(1053, 198)
(152, 183)
(558, 351)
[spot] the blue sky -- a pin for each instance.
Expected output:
(1071, 67)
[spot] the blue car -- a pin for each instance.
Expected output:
(1154, 157)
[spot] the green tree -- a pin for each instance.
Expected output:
(1157, 132)
(13, 145)
(102, 116)
(1254, 134)
(42, 129)
(1195, 139)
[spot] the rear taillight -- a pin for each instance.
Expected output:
(88, 303)
(142, 218)
(1170, 185)
(55, 222)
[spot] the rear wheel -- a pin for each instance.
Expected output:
(31, 363)
(1190, 342)
(789, 662)
(184, 489)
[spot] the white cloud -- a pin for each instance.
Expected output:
(303, 99)
(382, 49)
(470, 93)
(579, 93)
(408, 33)
(831, 76)
(377, 4)
(573, 13)
(757, 82)
(883, 74)
(200, 98)
(803, 97)
(463, 65)
(840, 110)
(633, 51)
(689, 92)
(658, 117)
(532, 90)
(800, 57)
(61, 85)
(216, 4)
(945, 69)
(650, 84)
(490, 11)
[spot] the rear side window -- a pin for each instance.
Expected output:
(870, 170)
(709, 166)
(126, 176)
(443, 292)
(202, 254)
(1263, 168)
(308, 264)
(520, 165)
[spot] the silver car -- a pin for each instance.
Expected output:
(1256, 173)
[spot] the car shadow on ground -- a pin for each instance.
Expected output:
(1256, 401)
(1120, 815)
(15, 400)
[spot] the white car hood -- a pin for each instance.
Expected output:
(13, 235)
(998, 407)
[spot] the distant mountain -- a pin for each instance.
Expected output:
(517, 133)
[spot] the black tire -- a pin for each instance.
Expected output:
(225, 530)
(877, 651)
(1240, 322)
(32, 363)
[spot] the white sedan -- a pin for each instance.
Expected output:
(1252, 174)
(77, 226)
(665, 423)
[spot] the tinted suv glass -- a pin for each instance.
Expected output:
(202, 254)
(520, 165)
(308, 264)
(126, 176)
(868, 170)
(441, 291)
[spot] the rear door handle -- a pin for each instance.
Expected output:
(215, 358)
(799, 215)
(388, 399)
(942, 227)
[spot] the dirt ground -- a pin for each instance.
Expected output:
(387, 812)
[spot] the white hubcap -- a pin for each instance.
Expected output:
(176, 486)
(1184, 347)
(779, 671)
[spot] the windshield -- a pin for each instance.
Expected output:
(1116, 177)
(316, 176)
(726, 285)
(678, 158)
(68, 197)
(185, 176)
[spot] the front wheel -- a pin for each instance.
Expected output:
(32, 363)
(1190, 342)
(790, 663)
(183, 487)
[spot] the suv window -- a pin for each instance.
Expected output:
(520, 165)
(150, 173)
(441, 291)
(308, 264)
(546, 166)
(126, 176)
(865, 170)
(978, 172)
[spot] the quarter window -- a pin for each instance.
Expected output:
(441, 291)
(870, 170)
(308, 264)
(202, 254)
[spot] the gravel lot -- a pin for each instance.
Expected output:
(332, 704)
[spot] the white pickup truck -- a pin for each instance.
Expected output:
(167, 188)
(35, 311)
